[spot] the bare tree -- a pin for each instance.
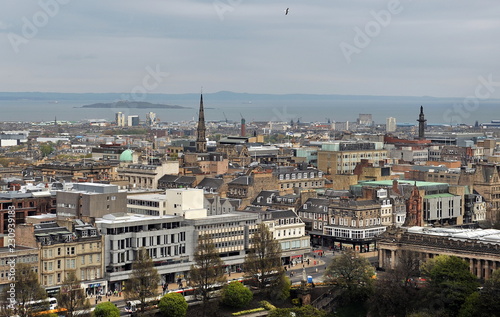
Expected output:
(144, 279)
(263, 262)
(208, 269)
(26, 289)
(72, 297)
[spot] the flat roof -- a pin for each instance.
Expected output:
(439, 196)
(411, 182)
(481, 235)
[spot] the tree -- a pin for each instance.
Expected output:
(281, 287)
(450, 283)
(208, 269)
(396, 292)
(235, 294)
(352, 275)
(27, 289)
(106, 309)
(72, 296)
(304, 311)
(263, 261)
(46, 148)
(173, 305)
(144, 279)
(485, 302)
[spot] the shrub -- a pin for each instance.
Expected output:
(235, 294)
(106, 309)
(244, 312)
(267, 305)
(173, 305)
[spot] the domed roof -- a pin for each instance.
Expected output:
(126, 156)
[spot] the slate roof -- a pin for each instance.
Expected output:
(242, 180)
(211, 183)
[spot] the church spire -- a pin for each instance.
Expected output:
(421, 124)
(201, 141)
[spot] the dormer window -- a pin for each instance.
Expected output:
(305, 206)
(93, 232)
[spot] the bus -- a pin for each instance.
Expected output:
(44, 307)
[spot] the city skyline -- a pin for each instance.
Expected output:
(393, 48)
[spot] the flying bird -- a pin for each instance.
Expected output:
(286, 11)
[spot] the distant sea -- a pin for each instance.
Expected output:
(437, 110)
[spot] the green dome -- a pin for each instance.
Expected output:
(126, 156)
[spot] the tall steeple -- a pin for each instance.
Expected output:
(201, 141)
(421, 124)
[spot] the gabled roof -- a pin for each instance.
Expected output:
(211, 183)
(168, 178)
(242, 180)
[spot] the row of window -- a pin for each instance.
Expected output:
(296, 244)
(20, 259)
(299, 175)
(147, 241)
(291, 232)
(305, 184)
(354, 234)
(140, 202)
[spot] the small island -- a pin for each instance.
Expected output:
(132, 104)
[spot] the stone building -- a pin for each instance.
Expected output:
(61, 250)
(480, 248)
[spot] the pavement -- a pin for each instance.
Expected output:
(318, 262)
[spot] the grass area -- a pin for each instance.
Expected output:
(216, 309)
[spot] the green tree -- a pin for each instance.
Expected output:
(235, 294)
(72, 296)
(281, 287)
(263, 261)
(106, 309)
(173, 305)
(450, 283)
(352, 276)
(485, 302)
(208, 269)
(27, 289)
(144, 279)
(46, 148)
(304, 311)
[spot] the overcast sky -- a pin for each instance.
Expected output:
(407, 48)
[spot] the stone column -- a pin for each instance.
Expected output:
(1, 222)
(381, 257)
(393, 259)
(471, 265)
(486, 269)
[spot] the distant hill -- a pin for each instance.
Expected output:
(217, 96)
(132, 104)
